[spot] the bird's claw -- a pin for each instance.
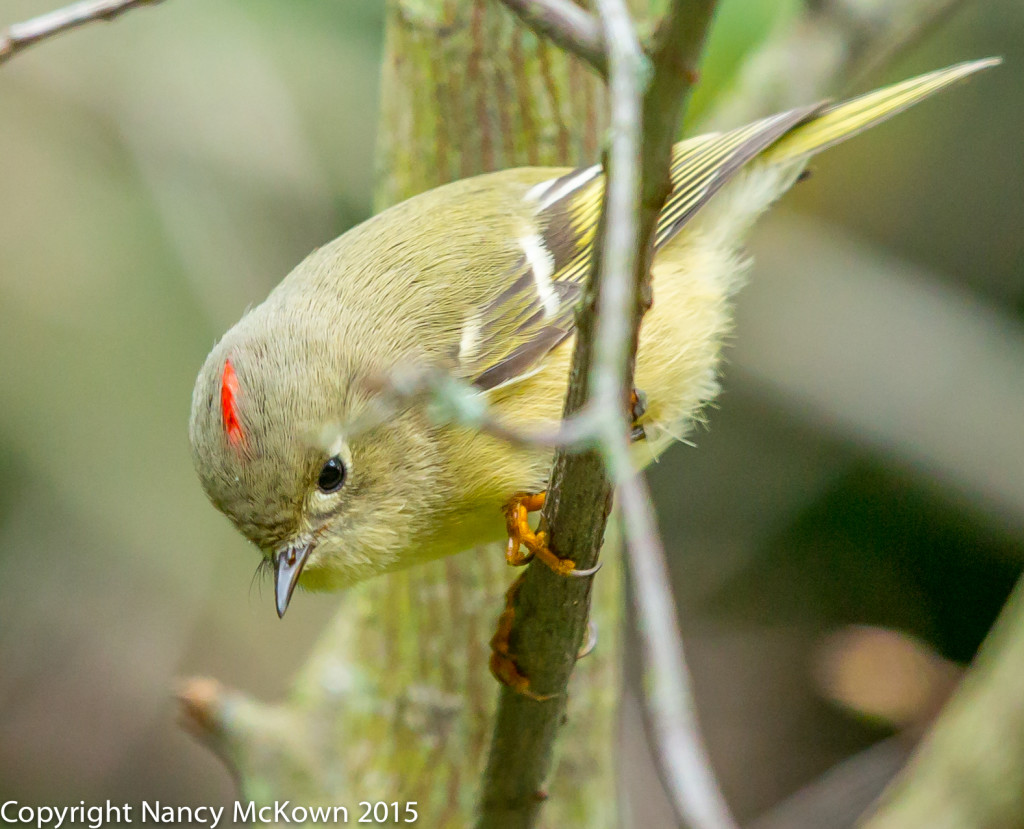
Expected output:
(521, 535)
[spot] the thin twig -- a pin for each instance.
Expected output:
(621, 257)
(455, 401)
(669, 706)
(565, 24)
(20, 36)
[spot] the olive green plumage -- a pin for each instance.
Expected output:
(479, 278)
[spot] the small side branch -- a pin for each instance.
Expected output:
(20, 36)
(456, 401)
(566, 25)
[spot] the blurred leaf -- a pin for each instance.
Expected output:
(740, 27)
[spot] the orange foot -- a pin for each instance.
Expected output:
(520, 535)
(503, 665)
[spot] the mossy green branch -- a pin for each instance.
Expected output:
(968, 772)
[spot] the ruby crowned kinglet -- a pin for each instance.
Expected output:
(479, 278)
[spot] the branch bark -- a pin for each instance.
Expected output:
(20, 36)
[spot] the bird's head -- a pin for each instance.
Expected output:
(268, 432)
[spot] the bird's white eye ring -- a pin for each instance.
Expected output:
(332, 475)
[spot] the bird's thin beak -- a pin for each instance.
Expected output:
(287, 569)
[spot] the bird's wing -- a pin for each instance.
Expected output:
(507, 340)
(511, 334)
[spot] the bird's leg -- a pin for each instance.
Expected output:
(520, 534)
(637, 409)
(503, 665)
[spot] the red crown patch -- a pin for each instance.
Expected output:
(229, 393)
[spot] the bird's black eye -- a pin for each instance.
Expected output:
(332, 475)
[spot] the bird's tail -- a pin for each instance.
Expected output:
(837, 122)
(701, 166)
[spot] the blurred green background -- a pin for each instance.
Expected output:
(865, 464)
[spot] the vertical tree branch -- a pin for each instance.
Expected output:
(551, 611)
